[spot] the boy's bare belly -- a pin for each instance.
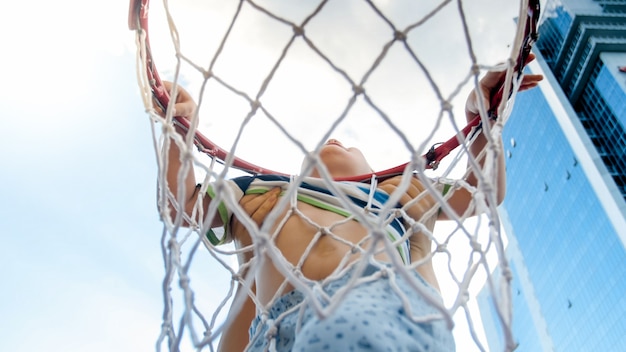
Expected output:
(292, 241)
(324, 255)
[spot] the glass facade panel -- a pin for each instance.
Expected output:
(573, 256)
(526, 337)
(572, 296)
(602, 110)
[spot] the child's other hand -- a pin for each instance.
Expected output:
(184, 106)
(492, 82)
(258, 206)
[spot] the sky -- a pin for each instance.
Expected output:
(82, 267)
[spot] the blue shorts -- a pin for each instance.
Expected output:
(371, 317)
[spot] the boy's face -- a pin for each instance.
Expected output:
(341, 161)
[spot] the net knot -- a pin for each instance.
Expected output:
(446, 106)
(511, 62)
(297, 272)
(442, 247)
(235, 277)
(399, 35)
(357, 89)
(272, 331)
(377, 234)
(187, 155)
(464, 296)
(261, 241)
(254, 105)
(184, 281)
(507, 274)
(476, 247)
(298, 31)
(486, 189)
(167, 128)
(384, 273)
(475, 69)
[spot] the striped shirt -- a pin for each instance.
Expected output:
(313, 191)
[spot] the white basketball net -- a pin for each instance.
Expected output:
(383, 76)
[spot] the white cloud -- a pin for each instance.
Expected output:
(103, 316)
(51, 48)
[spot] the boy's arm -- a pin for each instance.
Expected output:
(421, 202)
(184, 106)
(235, 336)
(462, 198)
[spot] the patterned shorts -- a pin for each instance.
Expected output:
(371, 317)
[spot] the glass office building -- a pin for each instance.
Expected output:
(564, 213)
